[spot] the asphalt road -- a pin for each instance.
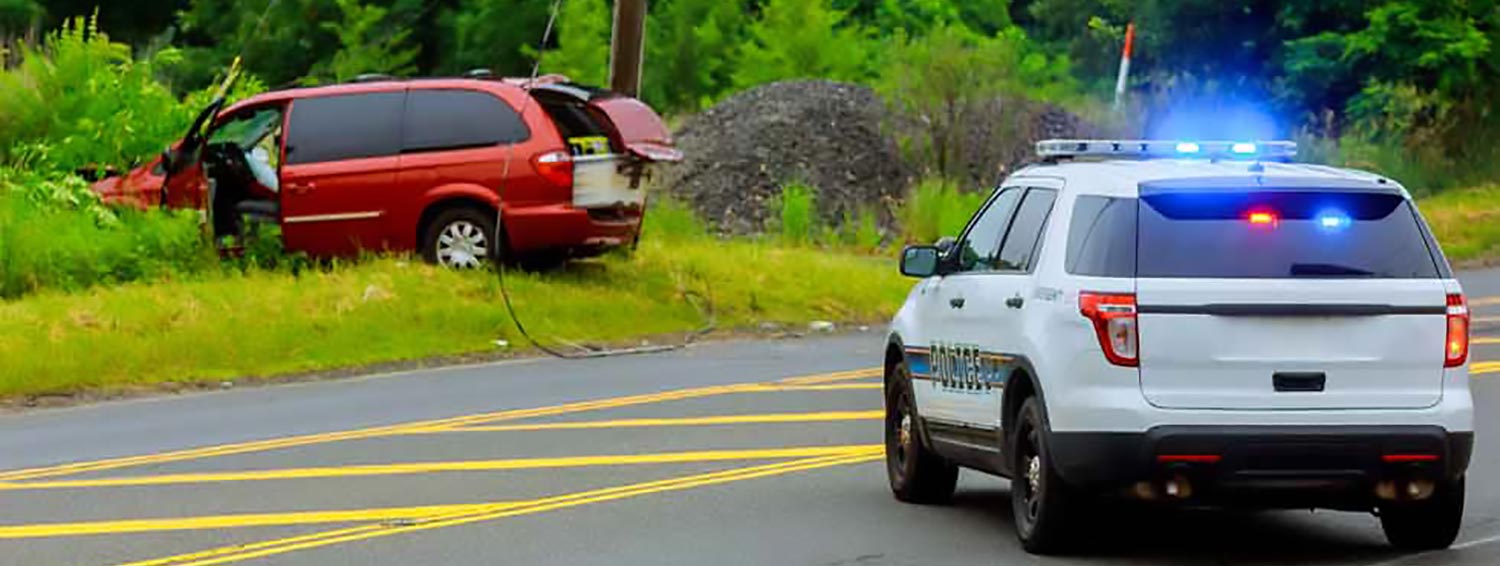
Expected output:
(724, 454)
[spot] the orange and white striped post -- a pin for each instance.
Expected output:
(1124, 77)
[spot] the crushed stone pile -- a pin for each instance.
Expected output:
(825, 134)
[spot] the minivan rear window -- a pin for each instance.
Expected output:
(1281, 234)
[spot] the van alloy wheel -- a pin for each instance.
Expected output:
(462, 245)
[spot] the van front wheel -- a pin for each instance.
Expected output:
(461, 238)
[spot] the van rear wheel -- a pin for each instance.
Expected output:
(461, 238)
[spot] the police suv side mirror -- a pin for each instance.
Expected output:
(945, 244)
(920, 261)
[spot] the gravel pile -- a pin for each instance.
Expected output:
(825, 134)
(841, 139)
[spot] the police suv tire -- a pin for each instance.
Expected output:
(1045, 507)
(916, 473)
(1426, 525)
(483, 220)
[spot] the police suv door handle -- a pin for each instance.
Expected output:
(956, 302)
(1015, 302)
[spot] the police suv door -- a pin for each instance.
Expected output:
(984, 343)
(956, 394)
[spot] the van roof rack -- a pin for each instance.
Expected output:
(373, 78)
(1056, 150)
(479, 74)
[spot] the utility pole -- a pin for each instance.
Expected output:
(627, 50)
(1123, 80)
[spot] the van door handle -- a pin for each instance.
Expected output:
(956, 302)
(301, 188)
(1015, 302)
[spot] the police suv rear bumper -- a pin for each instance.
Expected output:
(1262, 466)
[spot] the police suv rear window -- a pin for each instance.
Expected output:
(1281, 234)
(1101, 238)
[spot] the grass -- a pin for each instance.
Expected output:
(1466, 222)
(268, 323)
(936, 208)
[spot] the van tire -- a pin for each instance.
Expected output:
(1044, 505)
(1426, 525)
(916, 473)
(455, 235)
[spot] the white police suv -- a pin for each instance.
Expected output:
(1192, 323)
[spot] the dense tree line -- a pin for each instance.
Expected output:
(1419, 72)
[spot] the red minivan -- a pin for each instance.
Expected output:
(424, 165)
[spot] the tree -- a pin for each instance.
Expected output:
(368, 44)
(690, 50)
(501, 35)
(18, 16)
(799, 39)
(583, 36)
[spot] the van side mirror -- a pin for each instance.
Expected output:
(920, 261)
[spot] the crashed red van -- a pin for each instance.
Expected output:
(424, 165)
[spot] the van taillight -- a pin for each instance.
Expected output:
(1456, 348)
(1113, 315)
(556, 167)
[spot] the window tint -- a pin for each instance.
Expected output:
(353, 126)
(1288, 234)
(982, 241)
(1020, 247)
(451, 119)
(1101, 238)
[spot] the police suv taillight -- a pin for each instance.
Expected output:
(1456, 347)
(1113, 315)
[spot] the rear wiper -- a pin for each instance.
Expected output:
(1327, 270)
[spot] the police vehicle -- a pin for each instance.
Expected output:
(1187, 323)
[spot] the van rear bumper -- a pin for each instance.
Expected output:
(1336, 466)
(562, 226)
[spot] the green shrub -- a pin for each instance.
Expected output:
(799, 213)
(936, 208)
(48, 246)
(672, 221)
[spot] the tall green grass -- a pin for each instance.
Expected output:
(936, 208)
(798, 218)
(43, 247)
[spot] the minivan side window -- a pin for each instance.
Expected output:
(456, 119)
(976, 252)
(1101, 238)
(349, 126)
(1019, 251)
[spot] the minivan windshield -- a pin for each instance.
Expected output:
(1281, 234)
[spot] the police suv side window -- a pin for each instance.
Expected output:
(1018, 253)
(1101, 238)
(981, 242)
(350, 126)
(459, 119)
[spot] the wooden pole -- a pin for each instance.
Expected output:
(627, 50)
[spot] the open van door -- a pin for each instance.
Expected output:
(617, 142)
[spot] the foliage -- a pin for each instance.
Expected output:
(18, 16)
(952, 79)
(47, 246)
(936, 208)
(500, 35)
(583, 38)
(80, 99)
(367, 45)
(1466, 222)
(798, 219)
(798, 39)
(691, 51)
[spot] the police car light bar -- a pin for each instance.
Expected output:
(1072, 149)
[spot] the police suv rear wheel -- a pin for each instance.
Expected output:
(1042, 503)
(917, 474)
(1427, 525)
